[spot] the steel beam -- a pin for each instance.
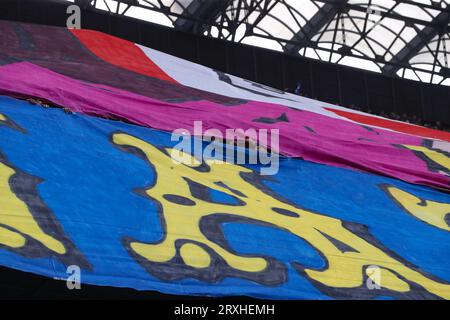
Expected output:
(439, 24)
(201, 10)
(325, 14)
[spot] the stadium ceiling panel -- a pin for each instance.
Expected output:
(408, 38)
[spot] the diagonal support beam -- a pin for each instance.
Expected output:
(83, 3)
(201, 10)
(325, 14)
(439, 24)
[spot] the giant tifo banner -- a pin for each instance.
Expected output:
(106, 196)
(97, 74)
(358, 208)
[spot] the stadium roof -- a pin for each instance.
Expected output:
(408, 38)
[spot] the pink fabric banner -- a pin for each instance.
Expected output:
(303, 134)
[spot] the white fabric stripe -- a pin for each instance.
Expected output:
(200, 77)
(203, 78)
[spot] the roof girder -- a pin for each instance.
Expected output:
(325, 14)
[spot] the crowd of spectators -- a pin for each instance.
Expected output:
(406, 118)
(413, 119)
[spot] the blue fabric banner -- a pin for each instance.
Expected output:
(114, 200)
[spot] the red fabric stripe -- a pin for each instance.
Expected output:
(121, 53)
(394, 125)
